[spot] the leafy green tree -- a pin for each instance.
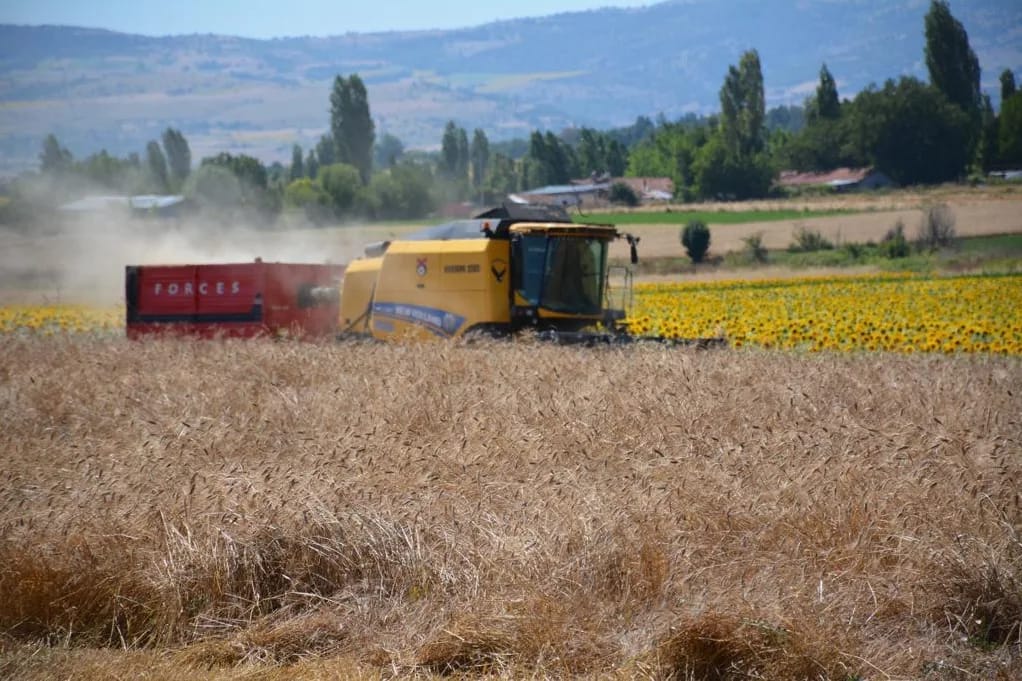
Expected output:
(504, 178)
(352, 125)
(450, 151)
(1010, 130)
(988, 152)
(743, 106)
(733, 163)
(309, 196)
(464, 160)
(297, 170)
(215, 188)
(303, 191)
(616, 158)
(249, 170)
(824, 144)
(54, 157)
(1008, 86)
(789, 118)
(910, 131)
(311, 164)
(590, 152)
(388, 151)
(156, 165)
(342, 183)
(549, 161)
(720, 174)
(670, 152)
(537, 162)
(326, 150)
(826, 104)
(121, 175)
(599, 152)
(479, 153)
(179, 156)
(953, 66)
(258, 199)
(402, 192)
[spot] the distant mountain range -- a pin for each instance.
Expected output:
(98, 89)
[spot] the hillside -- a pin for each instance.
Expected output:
(98, 89)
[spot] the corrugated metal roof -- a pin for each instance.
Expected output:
(150, 201)
(558, 189)
(91, 204)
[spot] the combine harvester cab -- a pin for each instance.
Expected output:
(241, 300)
(511, 268)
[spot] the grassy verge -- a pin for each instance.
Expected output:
(996, 253)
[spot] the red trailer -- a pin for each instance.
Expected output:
(237, 301)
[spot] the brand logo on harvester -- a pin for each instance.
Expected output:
(440, 322)
(420, 266)
(499, 269)
(188, 288)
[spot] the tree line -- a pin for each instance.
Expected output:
(914, 131)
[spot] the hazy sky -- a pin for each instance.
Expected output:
(276, 18)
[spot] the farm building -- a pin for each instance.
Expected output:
(146, 205)
(595, 190)
(839, 179)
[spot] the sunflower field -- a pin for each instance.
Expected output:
(891, 312)
(52, 319)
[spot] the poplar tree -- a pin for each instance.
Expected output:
(827, 104)
(156, 162)
(743, 106)
(297, 164)
(179, 155)
(953, 66)
(480, 155)
(352, 125)
(1008, 86)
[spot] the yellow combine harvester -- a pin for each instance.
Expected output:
(510, 268)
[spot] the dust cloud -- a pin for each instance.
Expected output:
(82, 260)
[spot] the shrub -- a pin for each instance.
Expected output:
(937, 229)
(808, 241)
(695, 237)
(621, 193)
(854, 250)
(754, 248)
(894, 244)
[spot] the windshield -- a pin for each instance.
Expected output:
(563, 274)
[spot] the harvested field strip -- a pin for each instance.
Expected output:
(512, 509)
(899, 313)
(710, 217)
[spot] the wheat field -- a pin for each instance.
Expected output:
(229, 510)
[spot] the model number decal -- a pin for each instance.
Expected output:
(461, 269)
